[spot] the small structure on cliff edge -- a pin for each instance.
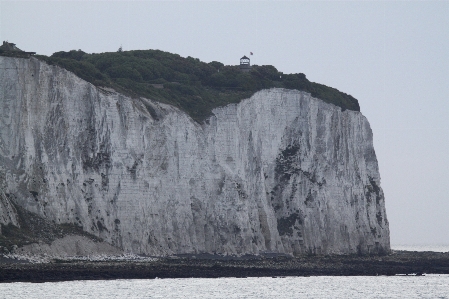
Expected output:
(245, 65)
(10, 49)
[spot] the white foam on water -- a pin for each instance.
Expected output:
(421, 247)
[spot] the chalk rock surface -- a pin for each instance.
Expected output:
(69, 246)
(280, 172)
(8, 214)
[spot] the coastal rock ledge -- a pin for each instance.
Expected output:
(280, 172)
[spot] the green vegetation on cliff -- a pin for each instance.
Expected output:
(194, 86)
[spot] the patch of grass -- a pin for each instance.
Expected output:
(188, 83)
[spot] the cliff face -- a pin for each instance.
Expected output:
(279, 172)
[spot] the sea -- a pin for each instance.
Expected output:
(426, 286)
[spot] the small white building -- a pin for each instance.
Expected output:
(245, 65)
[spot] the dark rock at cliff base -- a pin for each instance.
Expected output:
(399, 263)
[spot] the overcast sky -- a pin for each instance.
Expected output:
(392, 56)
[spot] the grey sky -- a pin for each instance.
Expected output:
(392, 56)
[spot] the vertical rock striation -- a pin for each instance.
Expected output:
(279, 172)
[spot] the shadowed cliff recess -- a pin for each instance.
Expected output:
(187, 83)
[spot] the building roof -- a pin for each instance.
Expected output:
(11, 48)
(244, 57)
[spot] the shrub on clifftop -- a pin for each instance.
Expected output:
(188, 83)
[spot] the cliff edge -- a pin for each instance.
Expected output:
(279, 172)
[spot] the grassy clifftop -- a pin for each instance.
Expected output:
(194, 86)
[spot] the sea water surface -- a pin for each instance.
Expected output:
(428, 286)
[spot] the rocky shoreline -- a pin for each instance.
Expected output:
(396, 263)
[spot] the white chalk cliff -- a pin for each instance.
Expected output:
(280, 172)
